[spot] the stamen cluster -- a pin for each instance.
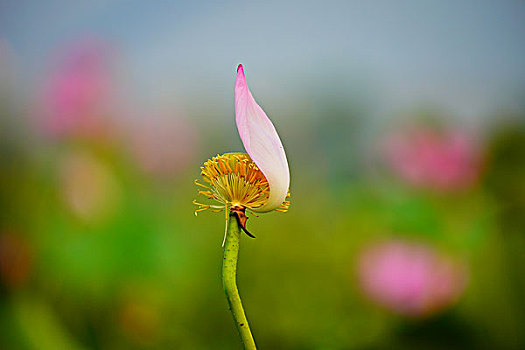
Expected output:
(234, 180)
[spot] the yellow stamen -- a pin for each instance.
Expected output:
(234, 179)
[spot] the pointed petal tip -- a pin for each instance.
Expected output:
(240, 80)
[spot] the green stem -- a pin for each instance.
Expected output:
(229, 282)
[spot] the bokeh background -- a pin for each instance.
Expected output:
(403, 124)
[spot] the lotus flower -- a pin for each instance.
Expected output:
(410, 278)
(424, 157)
(257, 181)
(76, 98)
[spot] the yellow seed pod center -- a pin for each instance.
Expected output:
(234, 179)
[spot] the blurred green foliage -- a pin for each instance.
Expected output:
(145, 273)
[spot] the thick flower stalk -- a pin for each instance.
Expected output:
(256, 181)
(229, 282)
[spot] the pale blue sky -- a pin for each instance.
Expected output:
(467, 56)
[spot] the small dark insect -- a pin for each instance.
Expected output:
(240, 214)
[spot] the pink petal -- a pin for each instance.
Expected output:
(262, 143)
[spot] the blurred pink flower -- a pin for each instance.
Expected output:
(410, 278)
(425, 157)
(75, 99)
(163, 145)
